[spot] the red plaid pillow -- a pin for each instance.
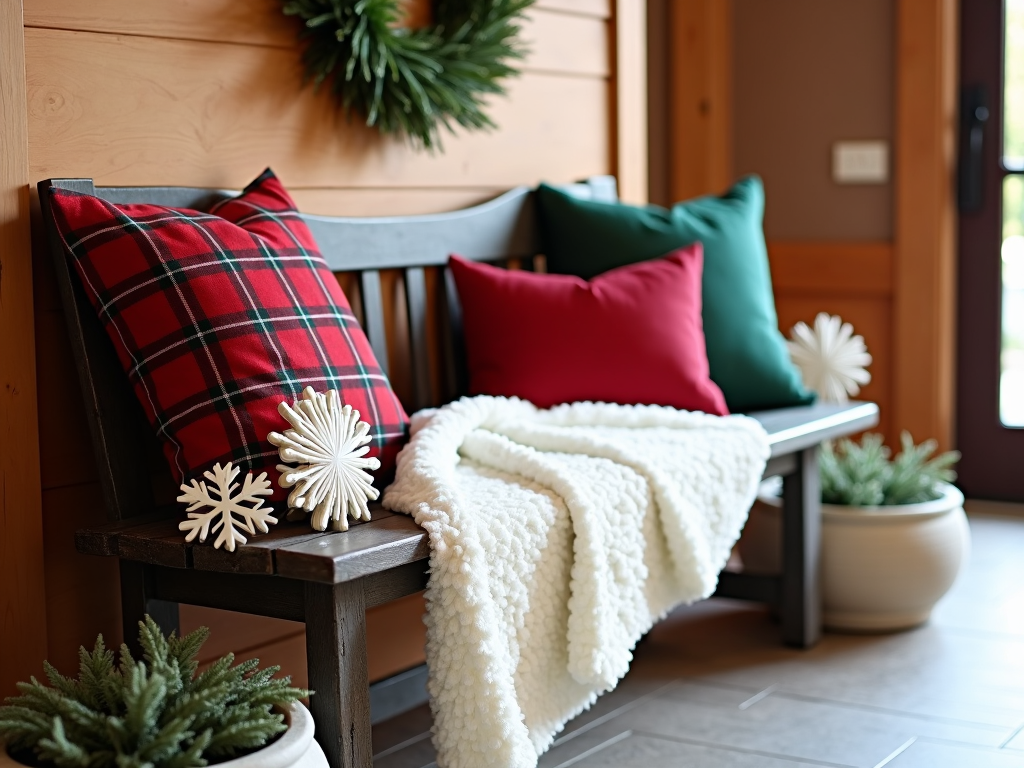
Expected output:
(217, 317)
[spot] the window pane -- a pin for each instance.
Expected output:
(1011, 383)
(1013, 104)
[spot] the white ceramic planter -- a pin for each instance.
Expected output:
(883, 568)
(296, 747)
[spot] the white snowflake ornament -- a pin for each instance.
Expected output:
(832, 360)
(328, 442)
(225, 507)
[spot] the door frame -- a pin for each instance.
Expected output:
(925, 256)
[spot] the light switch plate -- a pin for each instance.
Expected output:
(860, 162)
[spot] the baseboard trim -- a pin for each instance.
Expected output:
(397, 694)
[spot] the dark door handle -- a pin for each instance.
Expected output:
(973, 116)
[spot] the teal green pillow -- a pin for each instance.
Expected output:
(746, 352)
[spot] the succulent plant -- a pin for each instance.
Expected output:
(154, 713)
(864, 474)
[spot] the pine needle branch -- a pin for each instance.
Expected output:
(153, 713)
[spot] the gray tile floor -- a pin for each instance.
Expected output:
(712, 687)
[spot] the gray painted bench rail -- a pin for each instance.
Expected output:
(328, 580)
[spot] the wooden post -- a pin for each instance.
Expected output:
(336, 657)
(924, 269)
(630, 99)
(800, 594)
(700, 56)
(22, 592)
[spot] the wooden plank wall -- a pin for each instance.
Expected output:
(22, 583)
(853, 280)
(178, 92)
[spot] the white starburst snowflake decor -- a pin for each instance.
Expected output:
(226, 509)
(832, 360)
(328, 442)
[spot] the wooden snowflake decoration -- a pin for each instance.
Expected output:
(228, 513)
(832, 360)
(328, 442)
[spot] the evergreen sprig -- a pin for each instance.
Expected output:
(863, 475)
(154, 713)
(412, 82)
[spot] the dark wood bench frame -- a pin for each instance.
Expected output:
(328, 580)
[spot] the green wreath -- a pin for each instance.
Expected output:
(411, 81)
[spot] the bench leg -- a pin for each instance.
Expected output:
(336, 659)
(801, 553)
(137, 601)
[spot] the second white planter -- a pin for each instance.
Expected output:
(883, 568)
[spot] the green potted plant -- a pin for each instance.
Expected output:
(158, 713)
(894, 533)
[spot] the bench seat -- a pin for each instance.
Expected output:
(294, 551)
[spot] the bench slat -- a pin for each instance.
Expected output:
(159, 543)
(454, 342)
(794, 429)
(373, 315)
(416, 304)
(376, 546)
(257, 554)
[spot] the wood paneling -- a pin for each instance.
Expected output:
(852, 268)
(630, 122)
(390, 202)
(700, 82)
(63, 429)
(601, 9)
(211, 114)
(255, 22)
(82, 591)
(849, 279)
(545, 34)
(924, 311)
(395, 638)
(22, 593)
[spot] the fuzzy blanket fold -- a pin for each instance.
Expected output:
(557, 539)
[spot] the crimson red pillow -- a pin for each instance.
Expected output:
(631, 335)
(217, 317)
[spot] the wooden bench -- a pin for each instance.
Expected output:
(328, 580)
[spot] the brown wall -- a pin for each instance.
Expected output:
(174, 92)
(806, 74)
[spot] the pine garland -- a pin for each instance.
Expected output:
(154, 713)
(411, 82)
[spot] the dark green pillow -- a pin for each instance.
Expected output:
(746, 352)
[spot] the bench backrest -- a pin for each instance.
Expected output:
(392, 270)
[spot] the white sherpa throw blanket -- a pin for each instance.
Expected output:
(557, 539)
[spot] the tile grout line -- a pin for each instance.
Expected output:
(981, 634)
(899, 751)
(1012, 736)
(887, 710)
(780, 691)
(758, 696)
(609, 716)
(740, 750)
(594, 750)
